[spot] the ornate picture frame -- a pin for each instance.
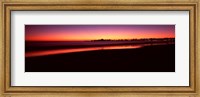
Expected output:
(123, 91)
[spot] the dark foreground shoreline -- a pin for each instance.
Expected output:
(158, 58)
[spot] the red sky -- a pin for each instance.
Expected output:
(94, 32)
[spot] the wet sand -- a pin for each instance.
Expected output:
(157, 58)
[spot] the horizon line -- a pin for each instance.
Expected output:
(106, 39)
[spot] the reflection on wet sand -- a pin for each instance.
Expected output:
(72, 50)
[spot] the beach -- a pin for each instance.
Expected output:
(151, 58)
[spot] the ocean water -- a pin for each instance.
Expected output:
(108, 45)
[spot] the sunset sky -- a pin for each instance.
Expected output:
(94, 32)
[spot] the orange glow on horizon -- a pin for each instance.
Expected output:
(83, 37)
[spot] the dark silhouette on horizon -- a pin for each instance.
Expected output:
(142, 39)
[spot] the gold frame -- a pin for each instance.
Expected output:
(185, 91)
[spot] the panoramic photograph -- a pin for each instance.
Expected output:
(100, 48)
